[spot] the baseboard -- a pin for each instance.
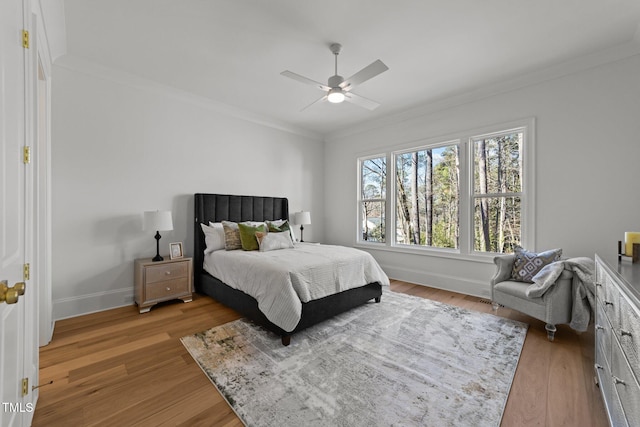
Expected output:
(91, 303)
(440, 281)
(65, 308)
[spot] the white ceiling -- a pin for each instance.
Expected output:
(232, 51)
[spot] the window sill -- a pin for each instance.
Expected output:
(431, 252)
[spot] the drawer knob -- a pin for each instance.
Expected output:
(597, 366)
(168, 288)
(168, 273)
(600, 328)
(617, 380)
(627, 333)
(608, 302)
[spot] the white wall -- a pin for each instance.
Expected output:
(587, 175)
(122, 146)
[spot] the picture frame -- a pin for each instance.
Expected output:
(175, 250)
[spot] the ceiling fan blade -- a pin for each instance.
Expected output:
(315, 102)
(303, 79)
(361, 101)
(365, 74)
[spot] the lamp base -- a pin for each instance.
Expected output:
(157, 257)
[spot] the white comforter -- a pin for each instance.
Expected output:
(282, 280)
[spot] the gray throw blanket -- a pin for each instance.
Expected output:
(583, 287)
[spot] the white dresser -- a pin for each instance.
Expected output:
(618, 339)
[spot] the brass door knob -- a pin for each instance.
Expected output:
(10, 294)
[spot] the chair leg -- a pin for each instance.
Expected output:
(495, 306)
(551, 331)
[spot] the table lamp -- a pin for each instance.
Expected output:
(158, 220)
(302, 218)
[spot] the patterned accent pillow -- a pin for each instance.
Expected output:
(274, 240)
(528, 264)
(248, 235)
(231, 236)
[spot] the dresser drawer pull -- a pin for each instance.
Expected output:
(168, 273)
(599, 284)
(617, 380)
(168, 288)
(627, 333)
(598, 366)
(608, 302)
(599, 328)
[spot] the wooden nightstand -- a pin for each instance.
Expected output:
(162, 281)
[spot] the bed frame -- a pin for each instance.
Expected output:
(224, 207)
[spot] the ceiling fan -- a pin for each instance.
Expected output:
(338, 89)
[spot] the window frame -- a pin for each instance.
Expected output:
(393, 188)
(465, 142)
(472, 197)
(361, 200)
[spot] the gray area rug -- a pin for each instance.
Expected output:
(407, 361)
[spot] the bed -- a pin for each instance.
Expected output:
(223, 207)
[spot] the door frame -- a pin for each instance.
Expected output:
(42, 244)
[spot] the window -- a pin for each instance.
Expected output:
(426, 197)
(497, 192)
(469, 194)
(373, 195)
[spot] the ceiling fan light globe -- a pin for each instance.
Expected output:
(335, 96)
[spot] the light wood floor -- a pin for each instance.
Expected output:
(122, 368)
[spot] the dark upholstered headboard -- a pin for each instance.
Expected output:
(225, 207)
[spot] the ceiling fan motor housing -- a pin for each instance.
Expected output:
(335, 81)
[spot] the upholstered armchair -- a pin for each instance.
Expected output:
(553, 307)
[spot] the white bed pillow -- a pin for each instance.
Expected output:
(274, 240)
(213, 236)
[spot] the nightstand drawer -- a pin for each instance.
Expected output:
(159, 273)
(168, 288)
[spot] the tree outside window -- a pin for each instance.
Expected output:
(470, 195)
(497, 192)
(427, 197)
(373, 174)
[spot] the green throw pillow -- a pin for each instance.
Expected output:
(278, 228)
(528, 264)
(248, 236)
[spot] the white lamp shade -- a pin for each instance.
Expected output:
(303, 217)
(158, 221)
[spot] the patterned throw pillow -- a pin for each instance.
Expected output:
(231, 236)
(528, 264)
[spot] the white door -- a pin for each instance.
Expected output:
(16, 342)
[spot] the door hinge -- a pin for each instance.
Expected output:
(26, 272)
(26, 155)
(25, 386)
(25, 39)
